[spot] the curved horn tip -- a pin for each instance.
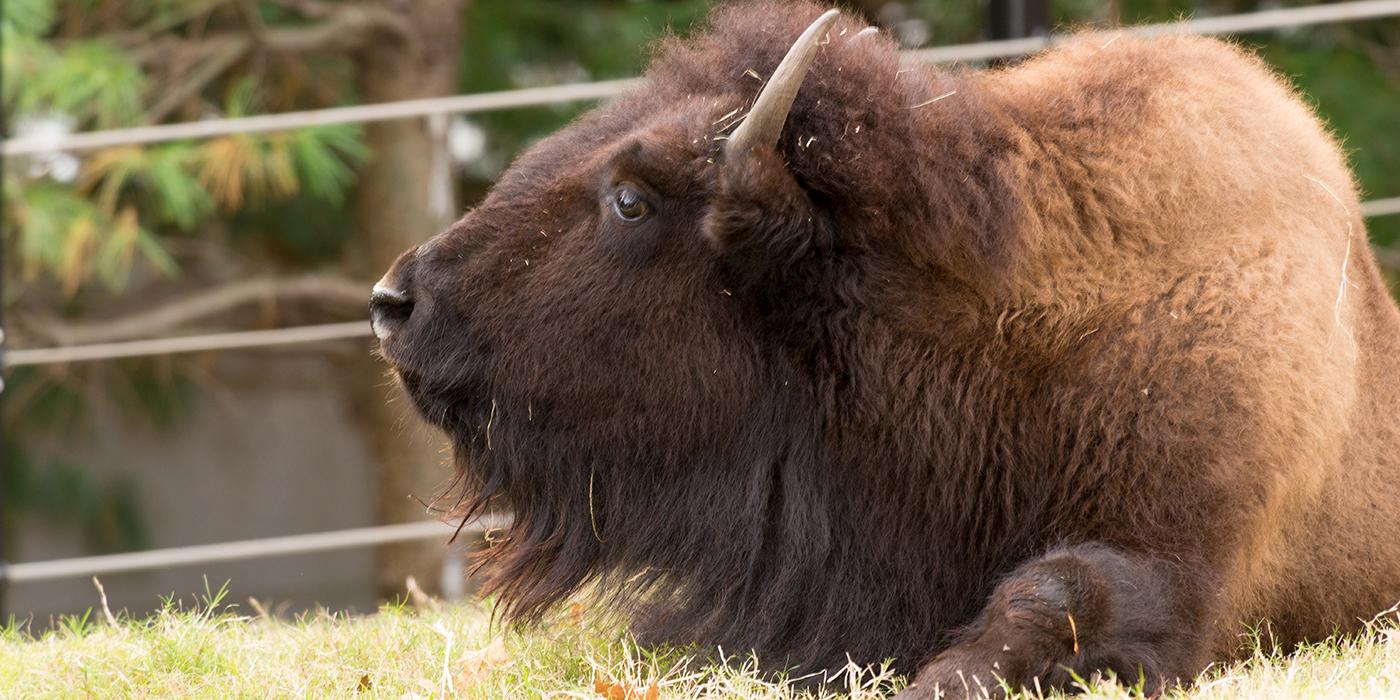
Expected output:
(764, 123)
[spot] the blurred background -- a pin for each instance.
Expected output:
(257, 245)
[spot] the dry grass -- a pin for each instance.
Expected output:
(453, 651)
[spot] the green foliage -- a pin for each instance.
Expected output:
(116, 213)
(508, 45)
(325, 158)
(105, 512)
(307, 230)
(156, 393)
(77, 626)
(23, 59)
(92, 230)
(76, 239)
(1361, 104)
(951, 22)
(89, 80)
(176, 195)
(1145, 11)
(27, 17)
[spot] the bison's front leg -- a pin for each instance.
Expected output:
(1080, 609)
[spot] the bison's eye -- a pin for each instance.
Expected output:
(628, 203)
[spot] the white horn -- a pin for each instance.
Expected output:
(764, 123)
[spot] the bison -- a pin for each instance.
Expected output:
(1079, 365)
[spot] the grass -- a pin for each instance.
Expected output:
(435, 651)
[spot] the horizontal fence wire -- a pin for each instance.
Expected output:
(1380, 207)
(29, 572)
(189, 343)
(1284, 18)
(1263, 20)
(359, 114)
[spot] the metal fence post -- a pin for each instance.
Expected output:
(4, 454)
(1016, 19)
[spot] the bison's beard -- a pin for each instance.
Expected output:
(741, 543)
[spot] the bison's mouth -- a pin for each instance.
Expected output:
(413, 385)
(450, 385)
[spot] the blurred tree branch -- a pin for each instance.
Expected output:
(310, 9)
(249, 9)
(338, 29)
(338, 291)
(345, 28)
(196, 81)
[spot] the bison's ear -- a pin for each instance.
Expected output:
(763, 223)
(761, 219)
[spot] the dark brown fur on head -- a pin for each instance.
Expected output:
(1033, 327)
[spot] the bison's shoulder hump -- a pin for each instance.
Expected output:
(1147, 80)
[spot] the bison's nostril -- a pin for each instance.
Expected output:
(388, 308)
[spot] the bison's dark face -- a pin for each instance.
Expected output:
(607, 307)
(620, 321)
(616, 323)
(582, 296)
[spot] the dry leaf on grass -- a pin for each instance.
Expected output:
(576, 613)
(475, 664)
(605, 688)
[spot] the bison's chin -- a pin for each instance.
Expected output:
(452, 407)
(431, 407)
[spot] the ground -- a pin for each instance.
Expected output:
(216, 649)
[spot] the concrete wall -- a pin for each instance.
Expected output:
(270, 449)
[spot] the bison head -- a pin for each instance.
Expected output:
(642, 341)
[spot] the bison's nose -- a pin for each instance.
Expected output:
(390, 303)
(388, 309)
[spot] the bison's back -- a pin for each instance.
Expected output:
(1183, 203)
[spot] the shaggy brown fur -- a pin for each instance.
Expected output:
(971, 354)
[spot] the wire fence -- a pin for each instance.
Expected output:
(369, 536)
(190, 343)
(242, 549)
(1381, 207)
(1264, 20)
